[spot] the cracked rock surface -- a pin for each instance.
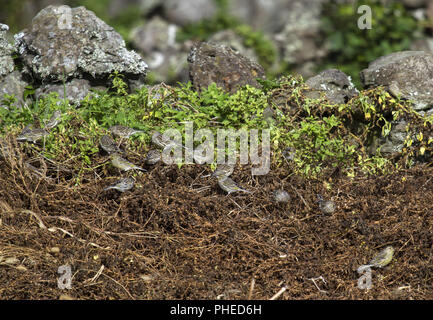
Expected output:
(65, 42)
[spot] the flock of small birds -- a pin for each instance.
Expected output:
(221, 173)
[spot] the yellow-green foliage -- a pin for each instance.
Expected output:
(325, 136)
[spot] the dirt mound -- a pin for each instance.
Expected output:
(177, 235)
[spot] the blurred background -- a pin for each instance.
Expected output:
(284, 36)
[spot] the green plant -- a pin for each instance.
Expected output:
(352, 48)
(324, 136)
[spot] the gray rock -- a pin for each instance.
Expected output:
(213, 63)
(281, 196)
(188, 11)
(298, 42)
(155, 35)
(13, 84)
(6, 50)
(429, 10)
(336, 85)
(422, 45)
(408, 74)
(415, 3)
(76, 90)
(271, 16)
(326, 206)
(147, 6)
(261, 15)
(156, 42)
(63, 43)
(293, 25)
(231, 39)
(394, 142)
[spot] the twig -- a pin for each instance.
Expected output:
(199, 175)
(314, 281)
(198, 190)
(97, 274)
(279, 293)
(250, 293)
(54, 229)
(302, 198)
(235, 203)
(119, 285)
(34, 214)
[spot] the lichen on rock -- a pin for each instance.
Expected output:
(65, 42)
(219, 64)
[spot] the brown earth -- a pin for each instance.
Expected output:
(177, 235)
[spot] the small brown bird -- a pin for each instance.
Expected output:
(223, 169)
(383, 258)
(123, 131)
(326, 206)
(54, 120)
(32, 135)
(109, 145)
(123, 164)
(153, 157)
(122, 185)
(228, 184)
(160, 141)
(27, 128)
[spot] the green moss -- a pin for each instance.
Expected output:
(326, 137)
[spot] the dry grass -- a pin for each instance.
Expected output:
(178, 236)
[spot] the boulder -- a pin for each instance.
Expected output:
(408, 74)
(336, 85)
(156, 42)
(298, 41)
(271, 16)
(14, 84)
(216, 63)
(11, 82)
(188, 11)
(393, 143)
(6, 51)
(76, 90)
(231, 39)
(425, 44)
(64, 43)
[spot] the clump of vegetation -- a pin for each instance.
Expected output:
(352, 48)
(324, 136)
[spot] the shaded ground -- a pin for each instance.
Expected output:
(178, 236)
